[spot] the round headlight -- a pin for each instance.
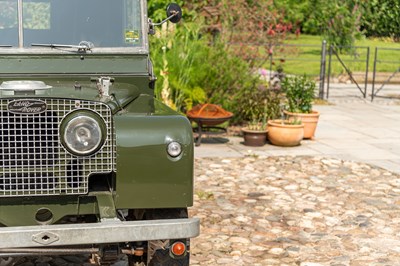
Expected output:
(174, 149)
(83, 134)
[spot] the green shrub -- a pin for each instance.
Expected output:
(191, 70)
(299, 92)
(381, 18)
(257, 104)
(338, 21)
(177, 54)
(195, 67)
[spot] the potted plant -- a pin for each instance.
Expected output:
(255, 134)
(285, 133)
(299, 92)
(261, 105)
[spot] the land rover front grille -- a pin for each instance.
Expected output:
(32, 159)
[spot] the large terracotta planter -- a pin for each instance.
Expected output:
(254, 137)
(282, 133)
(309, 121)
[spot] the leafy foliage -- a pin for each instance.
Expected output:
(252, 29)
(258, 103)
(177, 54)
(337, 20)
(343, 23)
(194, 66)
(378, 18)
(293, 12)
(299, 91)
(382, 18)
(191, 71)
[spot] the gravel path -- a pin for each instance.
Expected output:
(304, 211)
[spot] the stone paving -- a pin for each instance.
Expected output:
(357, 130)
(302, 210)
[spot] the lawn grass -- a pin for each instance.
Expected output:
(302, 55)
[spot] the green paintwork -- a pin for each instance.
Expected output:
(73, 64)
(22, 211)
(106, 205)
(146, 177)
(64, 88)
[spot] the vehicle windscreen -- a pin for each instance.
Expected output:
(103, 23)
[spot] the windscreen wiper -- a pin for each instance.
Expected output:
(5, 46)
(82, 46)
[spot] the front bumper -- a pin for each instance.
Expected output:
(108, 231)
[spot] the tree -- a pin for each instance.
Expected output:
(251, 29)
(342, 20)
(382, 18)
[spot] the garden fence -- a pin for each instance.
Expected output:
(298, 55)
(331, 65)
(394, 62)
(357, 57)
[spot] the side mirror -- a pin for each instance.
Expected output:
(174, 13)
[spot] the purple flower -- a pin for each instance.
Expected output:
(263, 72)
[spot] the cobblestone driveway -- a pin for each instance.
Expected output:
(295, 211)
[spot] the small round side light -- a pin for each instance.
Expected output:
(174, 149)
(178, 248)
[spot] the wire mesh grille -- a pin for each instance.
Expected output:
(32, 159)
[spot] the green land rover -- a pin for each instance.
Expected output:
(90, 161)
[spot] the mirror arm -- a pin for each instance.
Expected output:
(165, 20)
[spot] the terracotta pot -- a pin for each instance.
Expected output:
(282, 134)
(309, 121)
(254, 137)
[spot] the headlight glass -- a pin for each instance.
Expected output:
(83, 135)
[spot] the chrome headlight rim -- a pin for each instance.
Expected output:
(90, 116)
